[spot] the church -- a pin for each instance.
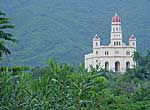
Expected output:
(116, 56)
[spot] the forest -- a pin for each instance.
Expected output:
(59, 86)
(63, 87)
(51, 28)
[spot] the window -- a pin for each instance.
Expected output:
(96, 43)
(128, 52)
(133, 43)
(117, 66)
(116, 28)
(96, 52)
(96, 61)
(117, 43)
(116, 52)
(127, 65)
(113, 29)
(106, 66)
(106, 53)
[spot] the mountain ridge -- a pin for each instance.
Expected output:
(63, 29)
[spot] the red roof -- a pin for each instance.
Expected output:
(116, 18)
(132, 37)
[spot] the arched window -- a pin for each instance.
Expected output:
(106, 66)
(106, 53)
(96, 61)
(133, 43)
(113, 29)
(128, 65)
(96, 43)
(96, 52)
(119, 43)
(116, 28)
(117, 66)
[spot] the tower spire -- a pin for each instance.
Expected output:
(116, 31)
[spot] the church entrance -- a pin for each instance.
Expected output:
(117, 66)
(127, 65)
(106, 66)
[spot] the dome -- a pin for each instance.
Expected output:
(116, 18)
(132, 37)
(96, 37)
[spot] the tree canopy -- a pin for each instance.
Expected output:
(63, 87)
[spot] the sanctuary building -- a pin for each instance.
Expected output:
(117, 56)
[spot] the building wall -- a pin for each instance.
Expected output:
(88, 60)
(110, 54)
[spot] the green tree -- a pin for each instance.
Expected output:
(4, 35)
(137, 57)
(147, 59)
(63, 87)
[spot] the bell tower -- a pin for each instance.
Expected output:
(96, 41)
(116, 31)
(132, 41)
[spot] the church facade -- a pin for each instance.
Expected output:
(117, 56)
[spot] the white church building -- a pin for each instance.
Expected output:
(117, 56)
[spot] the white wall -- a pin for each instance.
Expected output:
(112, 57)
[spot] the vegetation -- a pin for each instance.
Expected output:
(62, 87)
(64, 30)
(4, 36)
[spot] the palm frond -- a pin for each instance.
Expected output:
(7, 36)
(1, 13)
(4, 36)
(6, 26)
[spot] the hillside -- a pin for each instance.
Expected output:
(63, 29)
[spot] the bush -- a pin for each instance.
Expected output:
(62, 87)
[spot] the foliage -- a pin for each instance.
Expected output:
(143, 65)
(63, 30)
(4, 36)
(63, 87)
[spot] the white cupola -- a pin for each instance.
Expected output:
(132, 40)
(96, 41)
